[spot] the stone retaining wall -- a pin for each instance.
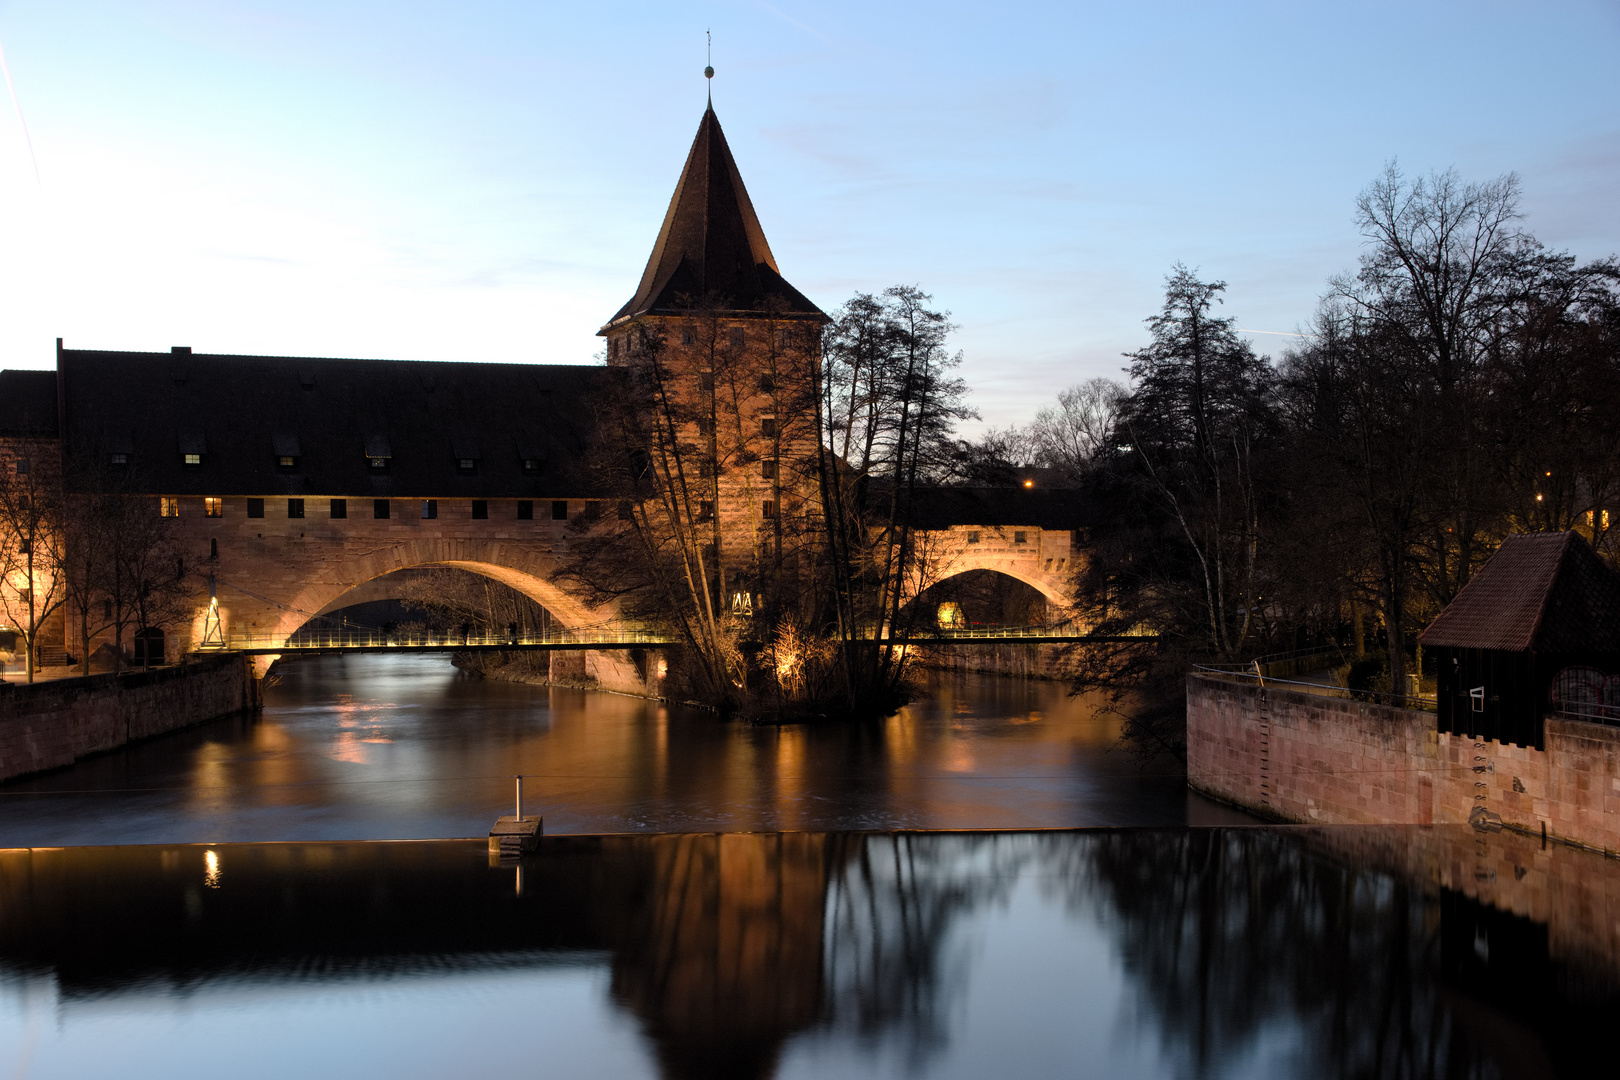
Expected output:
(1310, 758)
(51, 724)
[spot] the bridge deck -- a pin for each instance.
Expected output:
(351, 640)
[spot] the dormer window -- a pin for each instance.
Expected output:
(531, 465)
(378, 452)
(119, 459)
(528, 452)
(465, 451)
(193, 445)
(284, 444)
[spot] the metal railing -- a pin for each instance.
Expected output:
(1378, 697)
(592, 637)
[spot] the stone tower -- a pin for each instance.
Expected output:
(733, 350)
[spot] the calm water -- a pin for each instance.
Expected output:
(406, 747)
(1255, 952)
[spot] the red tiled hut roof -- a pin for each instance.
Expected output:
(1548, 592)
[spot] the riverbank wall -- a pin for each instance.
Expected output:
(1314, 759)
(621, 671)
(48, 725)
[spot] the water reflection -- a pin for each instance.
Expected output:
(1253, 952)
(404, 747)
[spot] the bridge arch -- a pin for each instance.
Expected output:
(528, 568)
(1039, 558)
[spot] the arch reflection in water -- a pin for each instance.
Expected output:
(1332, 952)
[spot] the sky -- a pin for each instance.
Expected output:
(484, 181)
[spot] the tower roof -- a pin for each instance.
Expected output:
(711, 248)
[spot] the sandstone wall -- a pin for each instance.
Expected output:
(1316, 759)
(52, 724)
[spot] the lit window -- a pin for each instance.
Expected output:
(213, 507)
(430, 508)
(1605, 519)
(769, 508)
(168, 506)
(286, 461)
(295, 508)
(193, 459)
(378, 464)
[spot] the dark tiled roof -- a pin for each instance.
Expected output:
(243, 412)
(1544, 591)
(711, 243)
(942, 507)
(27, 403)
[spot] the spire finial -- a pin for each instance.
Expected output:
(708, 72)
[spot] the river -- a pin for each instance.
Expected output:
(407, 747)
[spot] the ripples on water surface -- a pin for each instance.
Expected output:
(397, 747)
(1261, 952)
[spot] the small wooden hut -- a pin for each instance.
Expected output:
(1536, 631)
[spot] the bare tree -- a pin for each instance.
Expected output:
(32, 587)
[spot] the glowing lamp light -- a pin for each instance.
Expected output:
(1029, 483)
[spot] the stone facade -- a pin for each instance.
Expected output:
(52, 724)
(1322, 760)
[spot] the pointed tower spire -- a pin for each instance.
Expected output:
(711, 248)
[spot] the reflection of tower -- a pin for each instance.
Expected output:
(722, 961)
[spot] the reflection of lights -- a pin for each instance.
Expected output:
(211, 871)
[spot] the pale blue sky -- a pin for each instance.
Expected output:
(484, 181)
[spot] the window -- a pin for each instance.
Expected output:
(525, 510)
(973, 538)
(466, 464)
(531, 465)
(705, 469)
(213, 507)
(706, 381)
(768, 509)
(193, 459)
(377, 464)
(626, 511)
(286, 461)
(1020, 538)
(559, 510)
(255, 508)
(784, 338)
(340, 508)
(705, 426)
(295, 508)
(593, 510)
(767, 427)
(738, 338)
(686, 335)
(705, 510)
(430, 508)
(379, 508)
(168, 506)
(120, 459)
(480, 509)
(767, 384)
(22, 466)
(767, 468)
(213, 548)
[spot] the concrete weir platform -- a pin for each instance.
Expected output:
(515, 835)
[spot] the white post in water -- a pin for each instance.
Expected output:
(520, 796)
